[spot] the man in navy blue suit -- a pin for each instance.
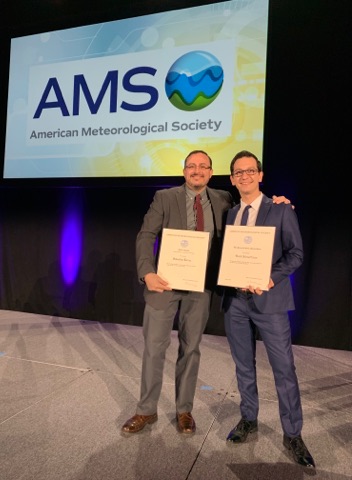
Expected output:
(250, 308)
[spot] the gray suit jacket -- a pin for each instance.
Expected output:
(287, 255)
(168, 210)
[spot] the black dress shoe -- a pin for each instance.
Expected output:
(299, 451)
(240, 433)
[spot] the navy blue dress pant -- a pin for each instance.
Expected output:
(241, 318)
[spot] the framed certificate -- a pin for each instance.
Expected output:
(246, 257)
(183, 259)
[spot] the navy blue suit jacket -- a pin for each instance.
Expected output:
(287, 255)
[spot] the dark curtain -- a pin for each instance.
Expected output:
(106, 288)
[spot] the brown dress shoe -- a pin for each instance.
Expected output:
(138, 422)
(185, 422)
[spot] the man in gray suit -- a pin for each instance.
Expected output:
(250, 308)
(174, 208)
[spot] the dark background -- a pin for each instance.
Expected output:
(306, 158)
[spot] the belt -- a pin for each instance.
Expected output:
(239, 293)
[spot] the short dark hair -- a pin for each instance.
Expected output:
(245, 153)
(198, 151)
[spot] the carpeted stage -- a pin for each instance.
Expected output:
(68, 385)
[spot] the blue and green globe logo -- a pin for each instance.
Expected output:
(194, 81)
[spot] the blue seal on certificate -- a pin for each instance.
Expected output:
(184, 243)
(248, 239)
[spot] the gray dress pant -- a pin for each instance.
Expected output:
(157, 326)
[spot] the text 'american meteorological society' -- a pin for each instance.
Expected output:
(209, 125)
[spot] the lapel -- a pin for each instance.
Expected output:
(263, 211)
(216, 208)
(230, 220)
(181, 203)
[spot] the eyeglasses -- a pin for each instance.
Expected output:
(202, 166)
(249, 171)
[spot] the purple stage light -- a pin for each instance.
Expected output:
(71, 245)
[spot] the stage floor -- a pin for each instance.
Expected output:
(68, 385)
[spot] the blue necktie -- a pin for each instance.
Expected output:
(244, 218)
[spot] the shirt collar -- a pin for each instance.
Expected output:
(192, 194)
(255, 204)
